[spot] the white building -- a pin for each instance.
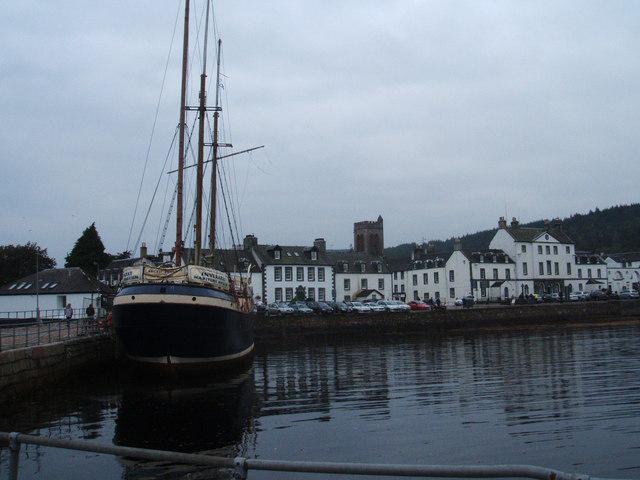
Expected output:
(287, 269)
(360, 275)
(591, 272)
(623, 271)
(544, 257)
(493, 275)
(55, 288)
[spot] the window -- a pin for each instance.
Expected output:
(580, 286)
(321, 274)
(415, 279)
(548, 250)
(345, 267)
(314, 255)
(363, 267)
(540, 249)
(452, 293)
(436, 277)
(278, 294)
(61, 300)
(426, 296)
(507, 274)
(364, 283)
(482, 273)
(311, 274)
(347, 298)
(415, 295)
(381, 284)
(568, 249)
(288, 294)
(437, 295)
(495, 273)
(276, 254)
(580, 274)
(379, 268)
(548, 267)
(395, 275)
(311, 293)
(541, 268)
(395, 288)
(288, 274)
(277, 274)
(347, 285)
(401, 275)
(452, 276)
(589, 272)
(524, 249)
(568, 268)
(556, 268)
(425, 279)
(402, 288)
(483, 290)
(321, 294)
(555, 249)
(525, 270)
(300, 274)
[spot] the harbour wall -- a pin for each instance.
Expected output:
(27, 370)
(447, 320)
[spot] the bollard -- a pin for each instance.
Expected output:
(14, 455)
(240, 470)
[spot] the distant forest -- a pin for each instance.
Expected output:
(615, 229)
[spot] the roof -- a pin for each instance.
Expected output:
(429, 260)
(398, 264)
(365, 292)
(625, 257)
(55, 281)
(230, 260)
(587, 258)
(354, 261)
(593, 281)
(529, 234)
(487, 256)
(290, 255)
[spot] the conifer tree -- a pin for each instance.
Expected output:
(17, 261)
(88, 252)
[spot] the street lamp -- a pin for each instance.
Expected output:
(38, 287)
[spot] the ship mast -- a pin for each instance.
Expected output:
(202, 109)
(183, 107)
(214, 164)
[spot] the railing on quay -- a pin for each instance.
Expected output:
(241, 465)
(42, 314)
(21, 335)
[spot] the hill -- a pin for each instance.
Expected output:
(614, 229)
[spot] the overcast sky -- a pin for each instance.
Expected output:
(437, 115)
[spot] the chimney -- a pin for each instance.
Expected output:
(457, 244)
(502, 223)
(143, 250)
(431, 248)
(514, 222)
(546, 222)
(320, 244)
(249, 242)
(417, 251)
(556, 223)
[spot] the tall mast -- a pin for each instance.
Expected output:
(183, 107)
(202, 109)
(214, 165)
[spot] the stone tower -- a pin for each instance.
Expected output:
(368, 236)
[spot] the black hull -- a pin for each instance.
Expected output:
(182, 325)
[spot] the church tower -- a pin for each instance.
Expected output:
(368, 237)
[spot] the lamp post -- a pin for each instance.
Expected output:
(38, 287)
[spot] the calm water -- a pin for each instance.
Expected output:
(564, 398)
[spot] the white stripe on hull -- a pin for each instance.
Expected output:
(174, 299)
(171, 359)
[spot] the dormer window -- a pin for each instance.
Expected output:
(314, 255)
(379, 268)
(345, 267)
(276, 254)
(363, 267)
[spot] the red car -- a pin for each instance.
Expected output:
(418, 305)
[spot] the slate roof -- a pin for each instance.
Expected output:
(290, 255)
(227, 260)
(354, 260)
(588, 258)
(625, 257)
(365, 292)
(486, 256)
(529, 234)
(398, 265)
(429, 260)
(55, 281)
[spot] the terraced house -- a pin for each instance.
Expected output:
(360, 275)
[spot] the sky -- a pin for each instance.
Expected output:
(440, 116)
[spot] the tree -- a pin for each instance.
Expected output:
(301, 294)
(17, 261)
(121, 255)
(88, 252)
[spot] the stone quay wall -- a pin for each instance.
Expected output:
(477, 317)
(26, 370)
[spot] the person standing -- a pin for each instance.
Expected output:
(87, 323)
(68, 315)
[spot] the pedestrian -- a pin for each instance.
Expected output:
(68, 315)
(90, 312)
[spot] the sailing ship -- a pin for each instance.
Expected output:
(187, 313)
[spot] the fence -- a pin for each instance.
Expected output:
(48, 314)
(20, 335)
(241, 466)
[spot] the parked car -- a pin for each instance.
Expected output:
(337, 307)
(345, 307)
(389, 305)
(360, 307)
(278, 308)
(320, 307)
(418, 305)
(301, 308)
(376, 307)
(582, 295)
(575, 297)
(402, 307)
(598, 295)
(626, 294)
(467, 301)
(550, 297)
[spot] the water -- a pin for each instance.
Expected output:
(567, 398)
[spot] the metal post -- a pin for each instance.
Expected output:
(241, 468)
(14, 456)
(38, 331)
